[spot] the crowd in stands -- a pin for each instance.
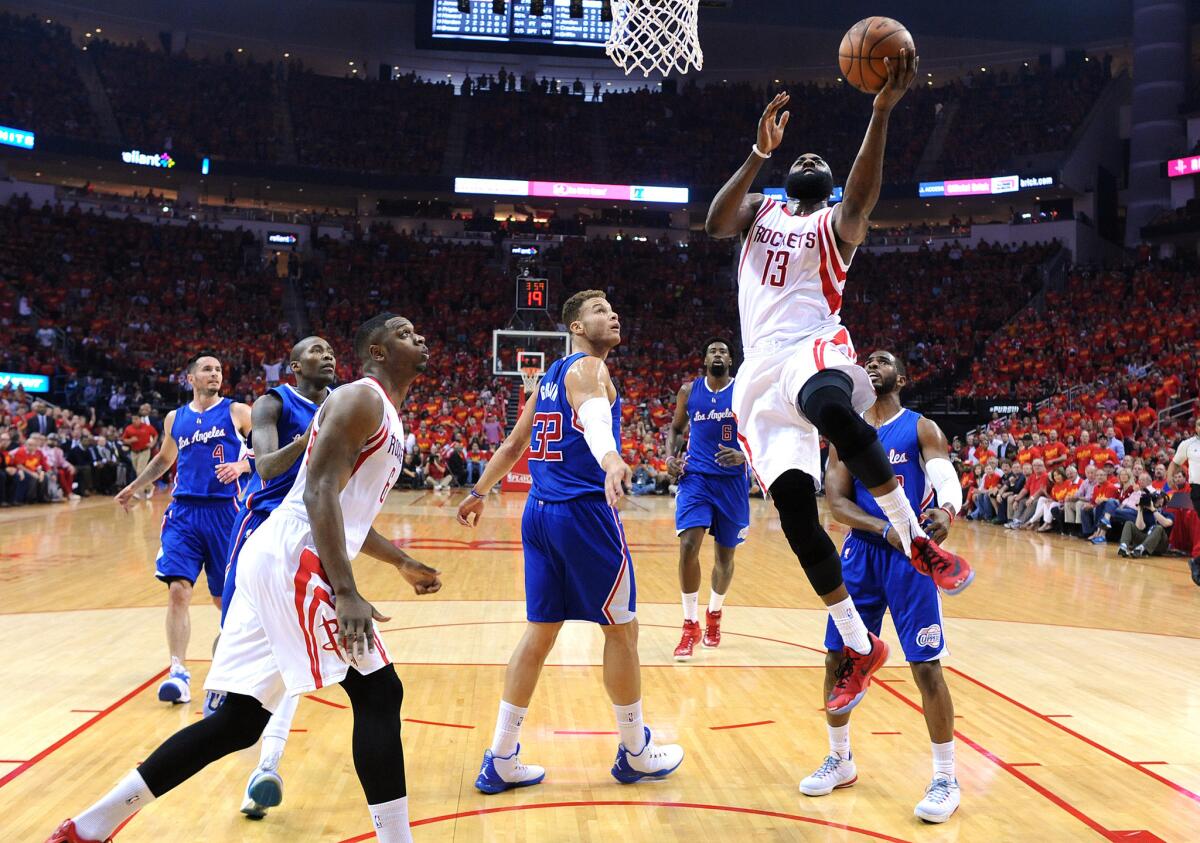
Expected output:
(1108, 470)
(197, 107)
(524, 127)
(1135, 330)
(41, 91)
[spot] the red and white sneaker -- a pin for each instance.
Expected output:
(854, 676)
(691, 634)
(950, 571)
(712, 629)
(66, 833)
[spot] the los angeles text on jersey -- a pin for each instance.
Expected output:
(713, 415)
(201, 436)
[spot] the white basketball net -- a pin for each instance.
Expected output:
(657, 35)
(530, 375)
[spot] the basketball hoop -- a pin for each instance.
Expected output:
(530, 375)
(657, 35)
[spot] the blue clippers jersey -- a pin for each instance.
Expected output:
(204, 440)
(294, 418)
(560, 462)
(899, 439)
(710, 415)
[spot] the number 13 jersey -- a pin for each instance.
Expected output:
(790, 277)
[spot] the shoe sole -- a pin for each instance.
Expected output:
(933, 818)
(171, 694)
(492, 790)
(831, 790)
(680, 658)
(953, 591)
(638, 776)
(267, 791)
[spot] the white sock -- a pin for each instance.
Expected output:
(850, 626)
(275, 736)
(715, 601)
(508, 729)
(119, 804)
(629, 722)
(943, 758)
(899, 511)
(391, 821)
(839, 740)
(691, 604)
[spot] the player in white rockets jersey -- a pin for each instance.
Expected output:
(297, 621)
(800, 379)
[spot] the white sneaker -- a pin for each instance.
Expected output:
(497, 774)
(263, 791)
(941, 800)
(653, 761)
(834, 772)
(176, 688)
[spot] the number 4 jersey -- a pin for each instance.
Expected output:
(560, 462)
(790, 276)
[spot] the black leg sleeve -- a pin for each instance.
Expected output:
(378, 754)
(795, 497)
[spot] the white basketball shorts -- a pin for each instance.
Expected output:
(280, 633)
(774, 433)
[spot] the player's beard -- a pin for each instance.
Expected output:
(809, 186)
(718, 370)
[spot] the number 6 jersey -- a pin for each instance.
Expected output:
(790, 276)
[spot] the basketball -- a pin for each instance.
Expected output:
(864, 48)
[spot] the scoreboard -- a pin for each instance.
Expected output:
(517, 26)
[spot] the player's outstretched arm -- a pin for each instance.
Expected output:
(935, 453)
(733, 208)
(590, 392)
(850, 216)
(163, 460)
(506, 456)
(839, 494)
(349, 417)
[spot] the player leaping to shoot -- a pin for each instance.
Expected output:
(799, 380)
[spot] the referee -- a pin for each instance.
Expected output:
(1189, 452)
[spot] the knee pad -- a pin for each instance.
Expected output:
(382, 689)
(826, 402)
(239, 722)
(795, 497)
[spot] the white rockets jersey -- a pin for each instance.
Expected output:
(374, 474)
(790, 276)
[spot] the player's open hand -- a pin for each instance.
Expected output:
(727, 457)
(227, 472)
(901, 70)
(125, 497)
(676, 466)
(936, 522)
(356, 630)
(421, 577)
(772, 123)
(617, 478)
(470, 511)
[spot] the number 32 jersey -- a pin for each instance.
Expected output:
(790, 276)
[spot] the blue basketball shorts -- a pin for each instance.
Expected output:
(246, 522)
(879, 577)
(577, 563)
(195, 537)
(718, 503)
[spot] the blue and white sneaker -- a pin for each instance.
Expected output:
(263, 791)
(652, 762)
(941, 800)
(176, 688)
(213, 701)
(500, 773)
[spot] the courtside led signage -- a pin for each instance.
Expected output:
(1175, 167)
(572, 190)
(32, 383)
(142, 159)
(16, 137)
(982, 187)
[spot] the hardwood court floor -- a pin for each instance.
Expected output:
(1073, 674)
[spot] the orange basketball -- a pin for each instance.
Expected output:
(864, 48)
